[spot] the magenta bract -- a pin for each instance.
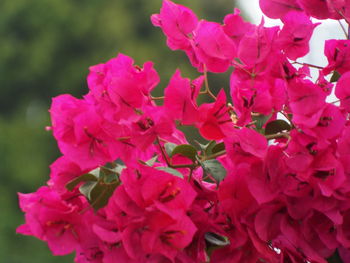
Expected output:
(266, 180)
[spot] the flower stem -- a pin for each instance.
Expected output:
(206, 84)
(344, 30)
(277, 135)
(307, 64)
(158, 98)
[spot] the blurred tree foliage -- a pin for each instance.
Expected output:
(46, 47)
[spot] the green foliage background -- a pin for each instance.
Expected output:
(46, 47)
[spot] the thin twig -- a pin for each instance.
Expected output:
(344, 30)
(268, 137)
(213, 156)
(245, 70)
(162, 151)
(169, 164)
(336, 101)
(190, 175)
(307, 64)
(277, 135)
(342, 15)
(158, 98)
(94, 202)
(206, 83)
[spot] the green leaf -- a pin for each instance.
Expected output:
(151, 162)
(185, 150)
(277, 126)
(171, 171)
(111, 173)
(211, 147)
(169, 147)
(119, 168)
(111, 165)
(110, 178)
(208, 147)
(86, 188)
(216, 239)
(100, 194)
(335, 76)
(260, 120)
(218, 148)
(238, 60)
(95, 172)
(203, 146)
(215, 169)
(83, 178)
(335, 258)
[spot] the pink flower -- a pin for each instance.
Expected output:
(213, 47)
(180, 98)
(235, 27)
(177, 23)
(338, 55)
(245, 143)
(214, 120)
(278, 8)
(330, 124)
(263, 95)
(307, 102)
(53, 219)
(319, 9)
(257, 46)
(344, 254)
(62, 171)
(267, 179)
(152, 217)
(152, 123)
(118, 87)
(344, 148)
(295, 35)
(78, 129)
(342, 91)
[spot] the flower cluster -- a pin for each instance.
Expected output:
(272, 183)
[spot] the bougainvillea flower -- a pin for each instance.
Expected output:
(213, 47)
(214, 119)
(319, 9)
(177, 23)
(235, 27)
(52, 219)
(246, 141)
(156, 222)
(180, 98)
(344, 148)
(330, 124)
(259, 96)
(338, 55)
(327, 172)
(267, 178)
(255, 47)
(307, 101)
(279, 8)
(78, 130)
(295, 35)
(342, 91)
(261, 190)
(62, 171)
(118, 87)
(344, 254)
(152, 123)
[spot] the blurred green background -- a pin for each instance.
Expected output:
(46, 47)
